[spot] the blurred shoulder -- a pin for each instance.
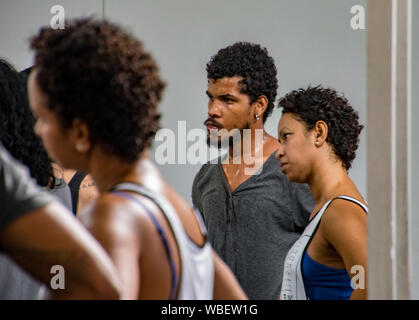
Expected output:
(110, 211)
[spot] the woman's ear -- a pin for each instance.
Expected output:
(80, 136)
(320, 133)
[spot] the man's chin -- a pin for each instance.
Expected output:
(217, 142)
(213, 141)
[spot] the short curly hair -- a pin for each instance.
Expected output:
(16, 126)
(253, 64)
(97, 72)
(316, 103)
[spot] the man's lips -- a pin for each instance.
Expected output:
(282, 164)
(212, 125)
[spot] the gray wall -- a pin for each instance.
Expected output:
(21, 19)
(311, 41)
(414, 226)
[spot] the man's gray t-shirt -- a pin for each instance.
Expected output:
(253, 227)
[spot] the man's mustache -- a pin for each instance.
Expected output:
(213, 123)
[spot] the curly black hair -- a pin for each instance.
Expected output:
(97, 72)
(252, 63)
(316, 103)
(16, 126)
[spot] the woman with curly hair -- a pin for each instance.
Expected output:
(319, 134)
(16, 126)
(81, 185)
(94, 92)
(18, 137)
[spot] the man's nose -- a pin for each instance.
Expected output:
(214, 109)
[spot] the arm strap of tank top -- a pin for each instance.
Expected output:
(363, 206)
(162, 235)
(74, 185)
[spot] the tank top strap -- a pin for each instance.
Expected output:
(174, 222)
(363, 206)
(201, 223)
(314, 222)
(292, 281)
(74, 185)
(165, 207)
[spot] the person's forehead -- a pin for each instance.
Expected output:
(288, 120)
(36, 97)
(32, 79)
(226, 83)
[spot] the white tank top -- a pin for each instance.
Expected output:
(292, 282)
(197, 269)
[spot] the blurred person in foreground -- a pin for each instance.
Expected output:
(94, 92)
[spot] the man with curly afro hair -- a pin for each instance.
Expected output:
(95, 91)
(319, 134)
(252, 219)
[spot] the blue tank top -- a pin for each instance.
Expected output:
(326, 283)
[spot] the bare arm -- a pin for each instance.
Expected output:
(345, 227)
(51, 236)
(117, 233)
(226, 286)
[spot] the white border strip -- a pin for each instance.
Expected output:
(409, 137)
(393, 145)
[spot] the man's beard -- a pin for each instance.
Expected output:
(221, 142)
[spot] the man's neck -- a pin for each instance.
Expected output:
(251, 144)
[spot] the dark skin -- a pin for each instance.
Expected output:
(122, 226)
(129, 236)
(51, 236)
(230, 109)
(341, 239)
